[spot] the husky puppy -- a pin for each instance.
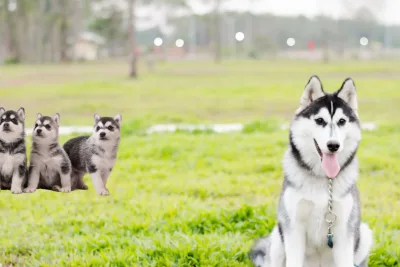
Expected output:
(12, 150)
(324, 138)
(50, 167)
(96, 154)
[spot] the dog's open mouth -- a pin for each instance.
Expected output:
(329, 161)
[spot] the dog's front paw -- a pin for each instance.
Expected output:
(16, 190)
(65, 189)
(104, 192)
(29, 190)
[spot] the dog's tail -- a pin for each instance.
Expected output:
(259, 252)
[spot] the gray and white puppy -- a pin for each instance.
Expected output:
(96, 154)
(12, 150)
(50, 167)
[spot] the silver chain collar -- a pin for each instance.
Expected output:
(330, 216)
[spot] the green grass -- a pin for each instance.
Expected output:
(190, 199)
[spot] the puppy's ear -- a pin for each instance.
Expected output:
(96, 118)
(312, 92)
(348, 93)
(118, 119)
(21, 113)
(2, 110)
(56, 118)
(38, 116)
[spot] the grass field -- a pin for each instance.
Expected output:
(190, 199)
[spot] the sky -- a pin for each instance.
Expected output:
(387, 10)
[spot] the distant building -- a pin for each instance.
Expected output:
(88, 46)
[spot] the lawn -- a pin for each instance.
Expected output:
(190, 199)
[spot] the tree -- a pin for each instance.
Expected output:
(132, 42)
(132, 28)
(217, 31)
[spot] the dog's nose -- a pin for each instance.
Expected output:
(39, 131)
(6, 125)
(102, 134)
(333, 146)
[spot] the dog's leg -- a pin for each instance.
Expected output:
(295, 246)
(65, 183)
(18, 179)
(277, 250)
(104, 177)
(343, 249)
(65, 177)
(366, 240)
(80, 183)
(34, 177)
(98, 183)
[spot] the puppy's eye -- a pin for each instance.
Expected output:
(36, 125)
(342, 122)
(14, 121)
(48, 127)
(320, 121)
(110, 128)
(97, 128)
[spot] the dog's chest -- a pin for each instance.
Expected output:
(312, 215)
(7, 163)
(49, 169)
(310, 207)
(104, 161)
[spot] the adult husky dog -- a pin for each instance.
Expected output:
(319, 215)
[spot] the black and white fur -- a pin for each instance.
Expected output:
(96, 154)
(300, 238)
(12, 150)
(50, 167)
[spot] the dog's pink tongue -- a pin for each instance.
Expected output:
(330, 164)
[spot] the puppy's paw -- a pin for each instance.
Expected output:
(104, 192)
(83, 187)
(16, 190)
(29, 190)
(65, 189)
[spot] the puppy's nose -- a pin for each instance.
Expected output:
(102, 134)
(333, 146)
(6, 125)
(39, 131)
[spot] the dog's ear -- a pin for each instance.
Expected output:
(96, 118)
(2, 110)
(56, 118)
(21, 113)
(312, 92)
(348, 94)
(38, 116)
(118, 119)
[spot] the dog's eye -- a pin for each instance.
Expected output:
(320, 121)
(110, 128)
(342, 122)
(48, 127)
(36, 125)
(97, 128)
(14, 121)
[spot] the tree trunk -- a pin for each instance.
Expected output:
(13, 50)
(63, 30)
(217, 31)
(132, 44)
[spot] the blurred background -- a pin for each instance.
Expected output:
(197, 68)
(43, 31)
